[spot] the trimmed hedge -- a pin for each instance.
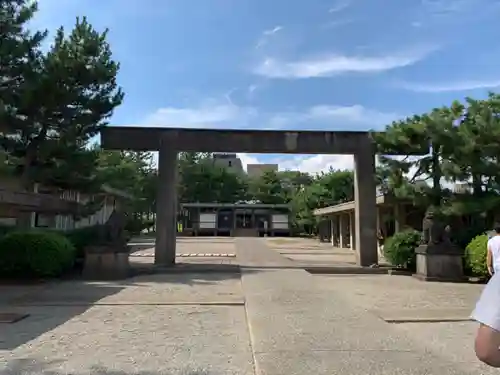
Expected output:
(475, 256)
(33, 253)
(399, 249)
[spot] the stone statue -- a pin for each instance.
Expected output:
(434, 232)
(112, 232)
(108, 258)
(437, 258)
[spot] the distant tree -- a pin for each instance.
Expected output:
(326, 189)
(201, 180)
(269, 188)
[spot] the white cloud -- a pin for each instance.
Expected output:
(337, 23)
(211, 114)
(215, 114)
(248, 159)
(449, 86)
(326, 116)
(338, 64)
(251, 91)
(228, 95)
(354, 114)
(318, 163)
(273, 30)
(266, 35)
(322, 163)
(208, 114)
(446, 7)
(339, 6)
(454, 13)
(304, 163)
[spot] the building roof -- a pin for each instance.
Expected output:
(27, 201)
(347, 206)
(234, 205)
(116, 192)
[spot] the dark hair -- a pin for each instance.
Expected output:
(496, 228)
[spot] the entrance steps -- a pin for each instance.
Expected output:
(245, 232)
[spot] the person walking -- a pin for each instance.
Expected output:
(487, 311)
(487, 314)
(493, 251)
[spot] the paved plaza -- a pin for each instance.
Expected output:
(262, 315)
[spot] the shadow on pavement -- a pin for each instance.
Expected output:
(48, 307)
(191, 276)
(30, 366)
(51, 305)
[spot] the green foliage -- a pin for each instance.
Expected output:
(461, 151)
(399, 249)
(325, 189)
(27, 254)
(475, 256)
(82, 237)
(201, 180)
(63, 97)
(19, 53)
(269, 188)
(53, 102)
(136, 225)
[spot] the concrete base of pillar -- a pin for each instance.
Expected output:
(244, 232)
(105, 263)
(439, 263)
(186, 233)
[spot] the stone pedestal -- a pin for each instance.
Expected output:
(439, 262)
(106, 263)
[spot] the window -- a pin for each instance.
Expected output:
(44, 221)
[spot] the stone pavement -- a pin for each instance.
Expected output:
(159, 324)
(275, 319)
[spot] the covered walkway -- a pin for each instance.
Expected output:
(337, 223)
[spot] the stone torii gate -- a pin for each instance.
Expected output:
(168, 142)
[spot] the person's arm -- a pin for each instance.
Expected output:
(487, 314)
(487, 345)
(489, 260)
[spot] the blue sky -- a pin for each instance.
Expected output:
(291, 64)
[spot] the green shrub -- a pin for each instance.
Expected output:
(399, 249)
(82, 237)
(26, 254)
(475, 256)
(4, 229)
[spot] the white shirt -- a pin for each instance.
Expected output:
(487, 309)
(494, 247)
